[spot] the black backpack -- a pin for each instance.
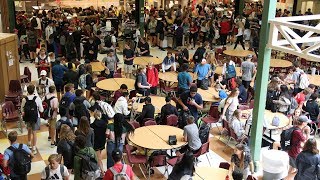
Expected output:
(89, 166)
(80, 110)
(286, 138)
(48, 112)
(64, 102)
(47, 171)
(204, 132)
(30, 110)
(107, 41)
(271, 95)
(198, 55)
(21, 160)
(183, 116)
(34, 22)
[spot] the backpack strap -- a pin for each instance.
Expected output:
(62, 170)
(124, 169)
(20, 146)
(47, 82)
(114, 172)
(46, 169)
(34, 98)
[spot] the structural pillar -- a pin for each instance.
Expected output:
(12, 15)
(141, 16)
(294, 8)
(5, 16)
(262, 78)
(239, 6)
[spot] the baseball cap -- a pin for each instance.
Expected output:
(250, 56)
(304, 118)
(43, 73)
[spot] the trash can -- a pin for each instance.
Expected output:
(275, 164)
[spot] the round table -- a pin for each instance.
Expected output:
(207, 173)
(114, 84)
(172, 76)
(97, 66)
(157, 102)
(145, 60)
(280, 63)
(219, 70)
(238, 52)
(208, 95)
(314, 79)
(156, 137)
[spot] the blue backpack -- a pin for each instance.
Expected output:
(231, 71)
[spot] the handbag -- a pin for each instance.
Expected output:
(172, 140)
(205, 84)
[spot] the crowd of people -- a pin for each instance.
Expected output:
(79, 115)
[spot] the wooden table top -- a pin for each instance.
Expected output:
(145, 60)
(238, 52)
(280, 63)
(284, 120)
(157, 102)
(172, 76)
(207, 95)
(314, 79)
(156, 137)
(219, 70)
(114, 84)
(207, 173)
(97, 66)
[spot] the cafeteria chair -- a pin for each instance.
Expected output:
(26, 77)
(224, 165)
(173, 161)
(172, 120)
(226, 128)
(149, 122)
(235, 138)
(212, 117)
(15, 89)
(10, 114)
(250, 177)
(204, 149)
(135, 159)
(157, 161)
(166, 89)
(117, 75)
(135, 124)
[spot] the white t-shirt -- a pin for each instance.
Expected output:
(44, 82)
(55, 173)
(234, 102)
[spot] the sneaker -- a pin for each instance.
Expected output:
(49, 138)
(29, 145)
(34, 151)
(53, 145)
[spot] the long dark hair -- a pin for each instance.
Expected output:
(186, 165)
(311, 146)
(285, 91)
(119, 124)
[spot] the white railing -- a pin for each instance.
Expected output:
(283, 38)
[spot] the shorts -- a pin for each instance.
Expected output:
(127, 68)
(59, 87)
(292, 162)
(52, 122)
(33, 48)
(161, 36)
(33, 125)
(246, 84)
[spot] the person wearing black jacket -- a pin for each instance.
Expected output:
(90, 50)
(147, 111)
(199, 54)
(312, 107)
(71, 76)
(167, 109)
(65, 146)
(77, 39)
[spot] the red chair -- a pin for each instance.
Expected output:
(250, 177)
(26, 77)
(117, 75)
(10, 114)
(15, 89)
(173, 161)
(150, 122)
(203, 150)
(213, 117)
(235, 137)
(172, 120)
(157, 161)
(135, 124)
(135, 159)
(224, 165)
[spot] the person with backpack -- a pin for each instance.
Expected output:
(50, 113)
(65, 145)
(32, 43)
(312, 108)
(308, 162)
(105, 108)
(55, 170)
(71, 76)
(71, 49)
(31, 106)
(152, 78)
(42, 62)
(296, 77)
(119, 170)
(190, 135)
(67, 98)
(85, 161)
(43, 83)
(58, 71)
(241, 161)
(63, 120)
(86, 79)
(229, 70)
(79, 107)
(116, 135)
(17, 157)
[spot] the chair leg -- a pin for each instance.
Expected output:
(143, 172)
(4, 128)
(208, 158)
(218, 129)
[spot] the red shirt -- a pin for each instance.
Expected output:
(118, 167)
(297, 139)
(300, 98)
(116, 96)
(225, 27)
(152, 77)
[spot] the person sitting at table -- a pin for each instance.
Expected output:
(143, 47)
(184, 169)
(184, 79)
(190, 135)
(147, 111)
(236, 124)
(231, 104)
(167, 110)
(152, 78)
(168, 63)
(141, 84)
(202, 70)
(243, 93)
(221, 94)
(121, 106)
(118, 93)
(283, 103)
(191, 101)
(222, 82)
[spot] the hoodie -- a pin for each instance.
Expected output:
(77, 160)
(121, 106)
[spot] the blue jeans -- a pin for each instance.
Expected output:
(111, 146)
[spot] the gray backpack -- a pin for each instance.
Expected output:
(121, 175)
